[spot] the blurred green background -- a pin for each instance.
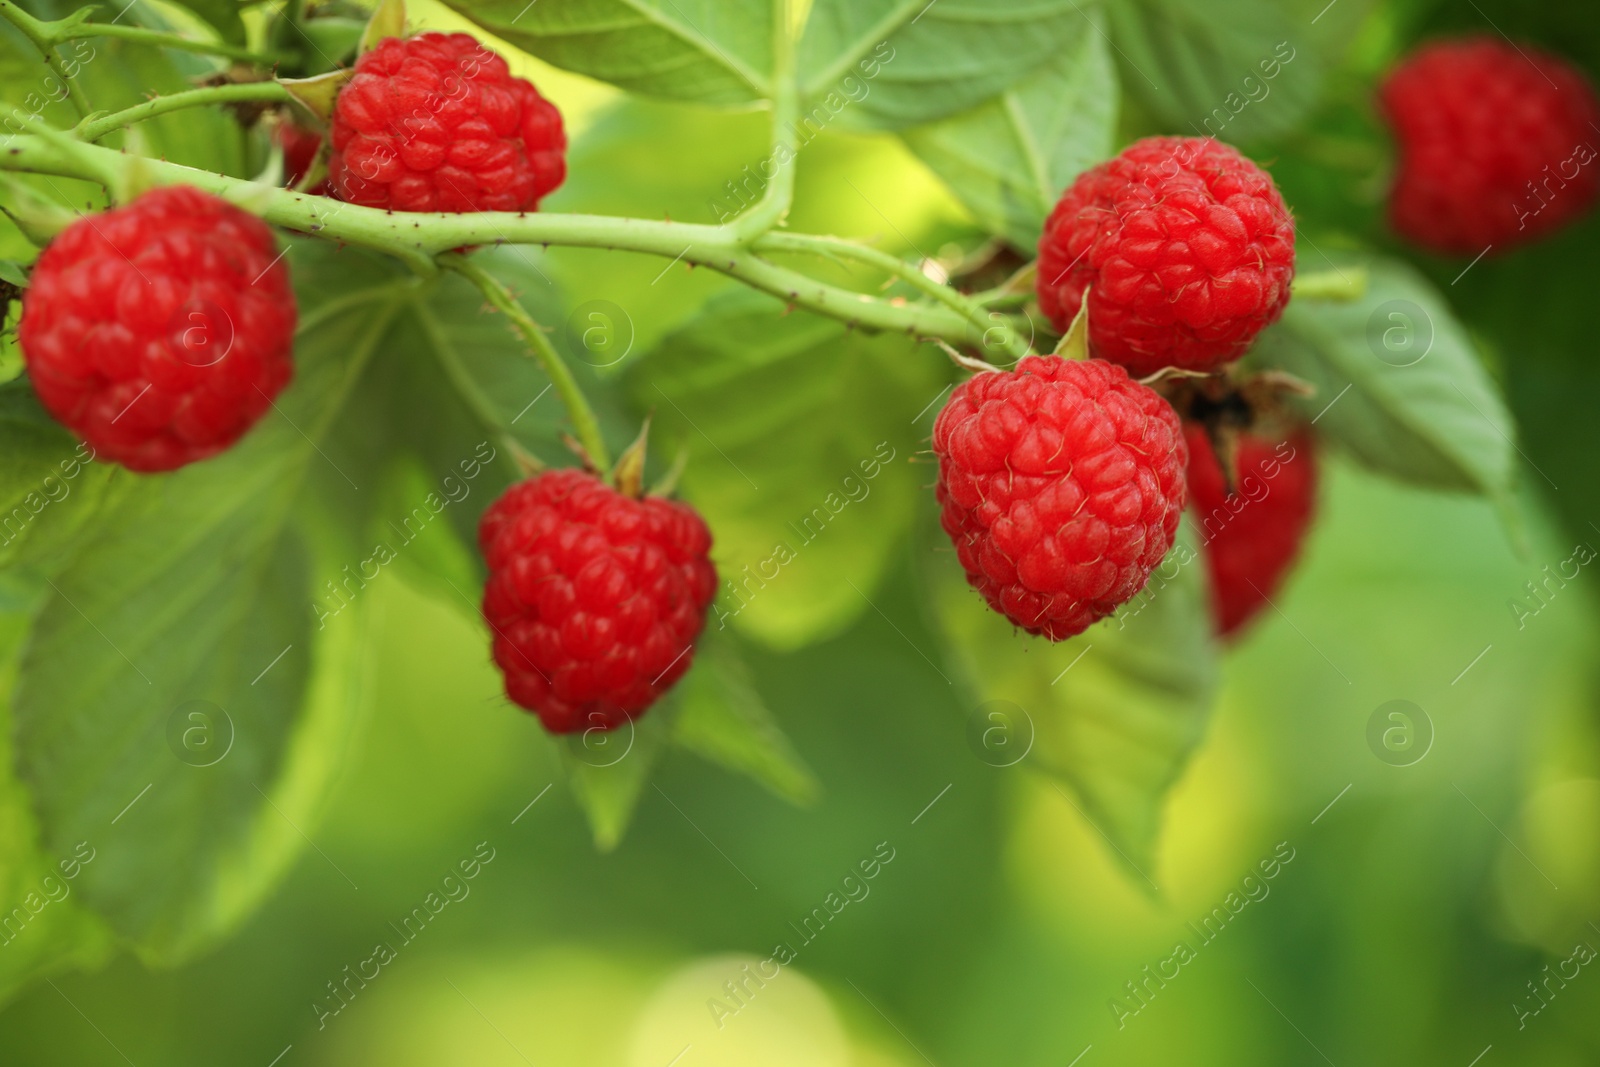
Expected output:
(1412, 911)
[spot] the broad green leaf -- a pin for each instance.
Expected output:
(49, 496)
(425, 521)
(608, 770)
(709, 51)
(178, 702)
(1009, 158)
(799, 436)
(888, 64)
(724, 719)
(1236, 70)
(1115, 713)
(1398, 383)
(43, 924)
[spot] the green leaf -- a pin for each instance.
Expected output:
(608, 770)
(1114, 713)
(710, 51)
(13, 273)
(331, 40)
(888, 64)
(724, 719)
(156, 698)
(388, 20)
(810, 490)
(50, 494)
(43, 924)
(220, 15)
(1009, 158)
(1398, 383)
(1236, 70)
(50, 487)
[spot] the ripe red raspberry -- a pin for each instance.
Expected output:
(1252, 537)
(160, 331)
(1185, 246)
(1496, 144)
(438, 123)
(595, 598)
(1061, 484)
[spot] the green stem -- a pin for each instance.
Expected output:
(1344, 285)
(855, 309)
(776, 200)
(94, 129)
(967, 308)
(566, 386)
(418, 237)
(164, 40)
(41, 35)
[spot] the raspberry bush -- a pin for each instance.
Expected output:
(337, 305)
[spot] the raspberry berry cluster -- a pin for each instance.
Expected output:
(1062, 481)
(160, 331)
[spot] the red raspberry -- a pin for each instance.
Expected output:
(160, 331)
(1061, 484)
(1253, 536)
(1185, 246)
(438, 123)
(595, 598)
(300, 147)
(1496, 145)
